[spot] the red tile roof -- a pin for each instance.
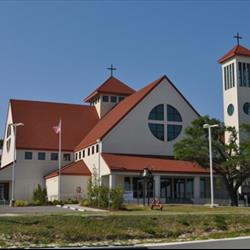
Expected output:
(39, 118)
(111, 86)
(113, 117)
(238, 50)
(131, 163)
(76, 168)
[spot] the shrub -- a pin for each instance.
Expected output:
(21, 203)
(39, 196)
(101, 196)
(84, 203)
(116, 198)
(57, 202)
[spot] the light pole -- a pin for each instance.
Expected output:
(208, 126)
(14, 125)
(147, 177)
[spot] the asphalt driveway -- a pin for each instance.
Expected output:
(6, 210)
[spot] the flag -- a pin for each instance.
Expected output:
(57, 128)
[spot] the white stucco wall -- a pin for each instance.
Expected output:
(237, 96)
(132, 134)
(7, 157)
(69, 184)
(30, 173)
(92, 162)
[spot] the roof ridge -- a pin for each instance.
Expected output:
(49, 102)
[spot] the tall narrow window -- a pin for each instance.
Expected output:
(225, 77)
(240, 73)
(233, 75)
(248, 74)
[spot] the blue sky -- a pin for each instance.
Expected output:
(59, 50)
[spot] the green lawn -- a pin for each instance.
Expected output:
(174, 223)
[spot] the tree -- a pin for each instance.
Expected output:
(230, 160)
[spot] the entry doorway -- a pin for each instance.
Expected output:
(4, 191)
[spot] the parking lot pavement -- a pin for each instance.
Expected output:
(6, 210)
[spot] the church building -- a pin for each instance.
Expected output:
(118, 135)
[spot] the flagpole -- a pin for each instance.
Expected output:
(59, 160)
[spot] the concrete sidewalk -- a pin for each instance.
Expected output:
(76, 207)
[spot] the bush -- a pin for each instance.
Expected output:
(21, 203)
(103, 197)
(71, 201)
(39, 196)
(57, 202)
(84, 203)
(116, 198)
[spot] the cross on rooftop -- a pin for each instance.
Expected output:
(238, 37)
(111, 69)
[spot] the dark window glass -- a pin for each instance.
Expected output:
(190, 189)
(173, 131)
(230, 109)
(83, 153)
(113, 99)
(173, 115)
(28, 155)
(41, 156)
(8, 144)
(233, 75)
(121, 98)
(93, 150)
(166, 188)
(9, 131)
(66, 157)
(88, 151)
(225, 78)
(248, 74)
(157, 130)
(54, 157)
(246, 108)
(240, 74)
(127, 184)
(157, 113)
(105, 98)
(76, 156)
(97, 148)
(80, 155)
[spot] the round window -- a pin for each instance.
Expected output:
(230, 109)
(246, 108)
(159, 122)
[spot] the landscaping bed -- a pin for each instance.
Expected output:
(66, 230)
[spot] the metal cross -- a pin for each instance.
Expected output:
(238, 37)
(111, 69)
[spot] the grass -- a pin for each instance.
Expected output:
(174, 223)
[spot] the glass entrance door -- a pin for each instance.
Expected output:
(166, 189)
(179, 191)
(1, 192)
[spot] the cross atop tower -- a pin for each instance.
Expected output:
(111, 69)
(238, 37)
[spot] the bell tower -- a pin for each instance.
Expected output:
(236, 86)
